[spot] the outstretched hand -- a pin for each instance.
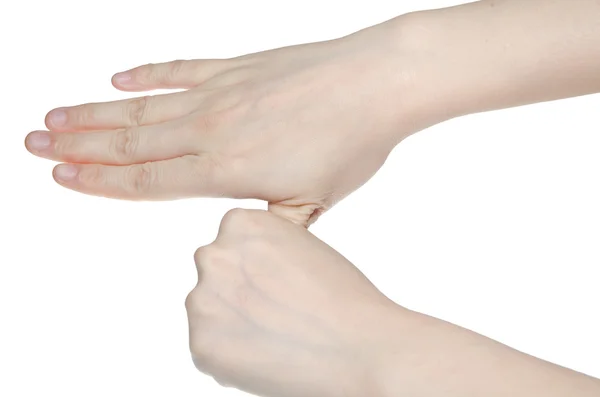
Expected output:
(299, 127)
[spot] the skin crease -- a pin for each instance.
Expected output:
(277, 312)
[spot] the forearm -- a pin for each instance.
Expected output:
(497, 54)
(440, 359)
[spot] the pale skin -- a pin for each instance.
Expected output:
(302, 127)
(279, 313)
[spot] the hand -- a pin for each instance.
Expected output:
(300, 127)
(277, 312)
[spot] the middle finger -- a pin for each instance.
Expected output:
(125, 146)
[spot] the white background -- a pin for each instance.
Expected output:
(490, 221)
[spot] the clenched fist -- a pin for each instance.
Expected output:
(299, 127)
(277, 312)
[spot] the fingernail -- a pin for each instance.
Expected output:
(65, 172)
(58, 118)
(122, 78)
(38, 141)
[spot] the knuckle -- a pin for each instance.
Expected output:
(137, 110)
(93, 176)
(190, 300)
(209, 169)
(235, 217)
(245, 220)
(65, 145)
(215, 262)
(175, 70)
(141, 178)
(124, 145)
(146, 74)
(208, 122)
(204, 255)
(84, 114)
(201, 306)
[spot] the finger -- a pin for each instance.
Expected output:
(187, 176)
(300, 214)
(169, 75)
(118, 147)
(124, 113)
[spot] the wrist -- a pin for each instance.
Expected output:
(490, 55)
(425, 356)
(396, 360)
(408, 60)
(430, 357)
(388, 352)
(457, 61)
(436, 87)
(452, 63)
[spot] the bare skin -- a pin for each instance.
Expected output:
(278, 313)
(302, 127)
(295, 127)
